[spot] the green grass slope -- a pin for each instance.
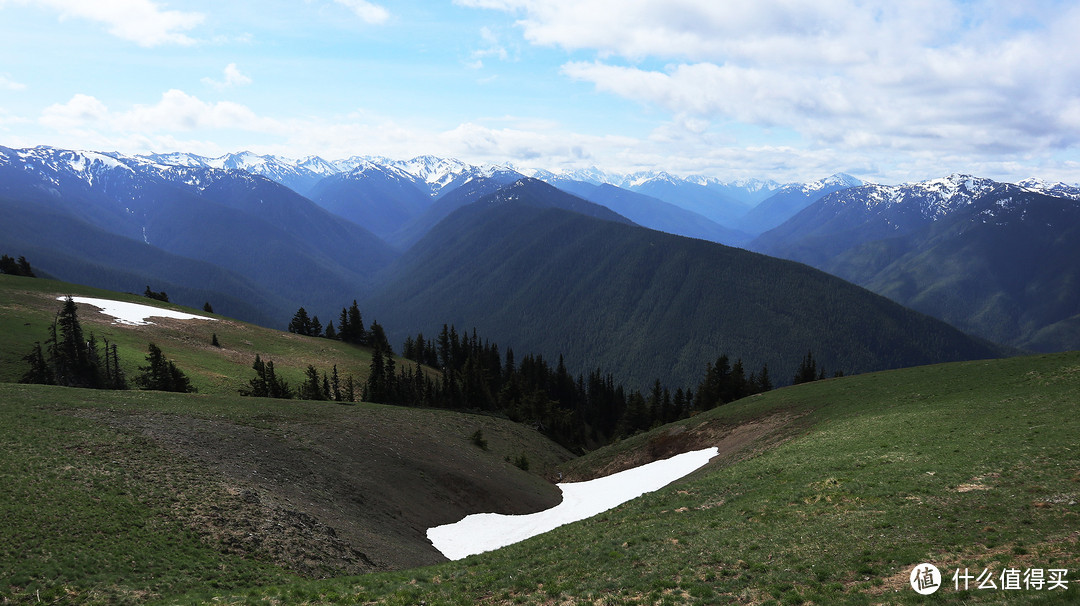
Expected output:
(28, 306)
(113, 497)
(845, 487)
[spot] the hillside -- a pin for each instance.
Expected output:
(213, 487)
(654, 213)
(993, 259)
(828, 492)
(294, 252)
(644, 304)
(855, 482)
(29, 305)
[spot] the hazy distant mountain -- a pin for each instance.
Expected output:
(299, 175)
(525, 269)
(995, 259)
(788, 200)
(705, 201)
(467, 192)
(654, 213)
(381, 198)
(294, 251)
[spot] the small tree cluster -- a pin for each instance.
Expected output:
(316, 386)
(725, 383)
(157, 296)
(809, 371)
(161, 374)
(72, 360)
(302, 324)
(266, 383)
(350, 328)
(16, 267)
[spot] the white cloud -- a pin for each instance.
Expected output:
(177, 111)
(233, 77)
(976, 79)
(138, 21)
(367, 11)
(6, 83)
(82, 111)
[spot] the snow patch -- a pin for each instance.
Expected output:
(482, 532)
(134, 314)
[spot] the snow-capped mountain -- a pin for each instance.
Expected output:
(858, 214)
(299, 175)
(784, 202)
(930, 200)
(129, 221)
(992, 258)
(442, 175)
(1059, 189)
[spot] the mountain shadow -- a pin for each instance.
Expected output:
(644, 304)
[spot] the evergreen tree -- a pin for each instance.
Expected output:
(157, 296)
(257, 386)
(335, 385)
(277, 386)
(300, 323)
(376, 381)
(13, 267)
(161, 374)
(350, 389)
(40, 372)
(214, 340)
(312, 388)
(330, 332)
(208, 308)
(808, 370)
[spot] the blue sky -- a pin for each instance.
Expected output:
(782, 89)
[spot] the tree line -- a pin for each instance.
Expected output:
(465, 372)
(16, 267)
(71, 359)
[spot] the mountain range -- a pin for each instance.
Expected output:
(616, 271)
(995, 259)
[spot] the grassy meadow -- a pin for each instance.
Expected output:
(123, 497)
(969, 465)
(28, 306)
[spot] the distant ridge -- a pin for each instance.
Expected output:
(607, 293)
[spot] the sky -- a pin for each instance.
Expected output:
(791, 90)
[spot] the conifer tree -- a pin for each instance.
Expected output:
(335, 385)
(808, 370)
(350, 389)
(161, 374)
(312, 387)
(300, 323)
(40, 372)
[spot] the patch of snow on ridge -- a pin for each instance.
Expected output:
(134, 314)
(482, 532)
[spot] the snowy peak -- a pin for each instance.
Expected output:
(931, 200)
(641, 179)
(444, 174)
(1058, 190)
(833, 182)
(433, 170)
(53, 164)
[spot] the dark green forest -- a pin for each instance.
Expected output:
(645, 304)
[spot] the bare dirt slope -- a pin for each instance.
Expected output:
(352, 489)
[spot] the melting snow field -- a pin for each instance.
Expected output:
(134, 314)
(482, 532)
